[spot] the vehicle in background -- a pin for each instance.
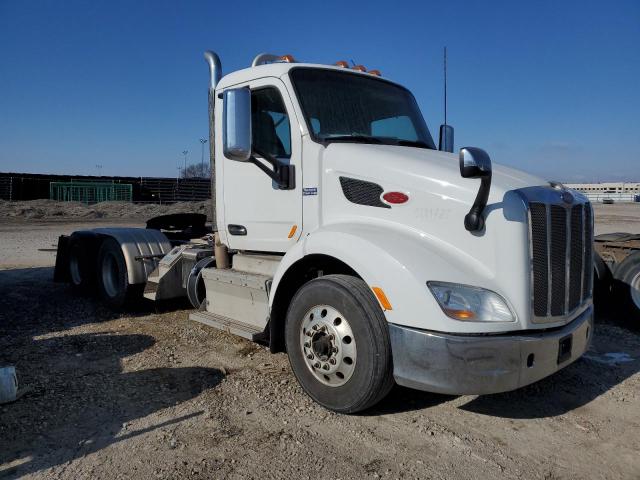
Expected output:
(617, 276)
(346, 238)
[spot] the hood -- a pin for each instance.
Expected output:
(412, 169)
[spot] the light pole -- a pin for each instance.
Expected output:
(202, 142)
(184, 172)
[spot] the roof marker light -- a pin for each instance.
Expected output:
(288, 59)
(375, 72)
(342, 63)
(359, 68)
(395, 197)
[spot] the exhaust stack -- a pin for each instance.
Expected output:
(215, 73)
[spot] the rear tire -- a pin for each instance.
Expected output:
(602, 281)
(81, 273)
(626, 289)
(113, 279)
(338, 344)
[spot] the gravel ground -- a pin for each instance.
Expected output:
(149, 394)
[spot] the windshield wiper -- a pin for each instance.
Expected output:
(356, 138)
(413, 143)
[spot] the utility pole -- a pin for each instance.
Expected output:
(184, 172)
(202, 142)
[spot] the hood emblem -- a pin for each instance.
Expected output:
(565, 194)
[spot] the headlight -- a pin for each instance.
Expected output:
(471, 304)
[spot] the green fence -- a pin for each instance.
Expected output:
(90, 192)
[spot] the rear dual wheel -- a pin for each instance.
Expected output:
(338, 344)
(114, 288)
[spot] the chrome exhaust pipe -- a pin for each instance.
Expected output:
(215, 73)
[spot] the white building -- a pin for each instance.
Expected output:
(617, 191)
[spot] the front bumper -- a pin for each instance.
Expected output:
(483, 364)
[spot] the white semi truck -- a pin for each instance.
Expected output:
(348, 240)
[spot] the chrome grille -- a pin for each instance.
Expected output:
(561, 237)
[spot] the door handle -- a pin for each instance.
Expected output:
(237, 229)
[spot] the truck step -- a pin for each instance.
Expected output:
(245, 330)
(151, 287)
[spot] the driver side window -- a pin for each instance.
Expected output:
(270, 123)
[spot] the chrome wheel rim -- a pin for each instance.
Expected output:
(328, 345)
(635, 290)
(110, 274)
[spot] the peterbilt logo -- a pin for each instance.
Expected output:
(565, 194)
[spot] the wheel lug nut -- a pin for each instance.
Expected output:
(316, 365)
(325, 367)
(307, 344)
(310, 356)
(309, 333)
(332, 361)
(315, 327)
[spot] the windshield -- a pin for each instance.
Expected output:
(348, 107)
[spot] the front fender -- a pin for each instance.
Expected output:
(400, 261)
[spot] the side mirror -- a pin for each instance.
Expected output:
(236, 124)
(446, 138)
(475, 163)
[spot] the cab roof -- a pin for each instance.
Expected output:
(278, 70)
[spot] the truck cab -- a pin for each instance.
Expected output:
(346, 238)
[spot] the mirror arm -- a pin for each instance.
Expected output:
(281, 174)
(474, 221)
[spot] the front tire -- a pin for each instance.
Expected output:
(337, 340)
(113, 278)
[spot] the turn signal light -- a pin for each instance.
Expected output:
(460, 314)
(382, 298)
(395, 197)
(342, 64)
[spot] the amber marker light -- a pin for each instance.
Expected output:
(292, 232)
(382, 298)
(359, 68)
(460, 314)
(342, 64)
(375, 72)
(288, 59)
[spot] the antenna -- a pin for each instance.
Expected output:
(445, 85)
(446, 131)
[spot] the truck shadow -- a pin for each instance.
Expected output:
(82, 389)
(80, 400)
(31, 301)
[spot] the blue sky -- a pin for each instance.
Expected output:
(549, 87)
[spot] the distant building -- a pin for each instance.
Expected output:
(617, 191)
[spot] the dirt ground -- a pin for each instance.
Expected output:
(150, 394)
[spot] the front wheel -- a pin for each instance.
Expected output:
(338, 344)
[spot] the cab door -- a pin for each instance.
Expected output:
(258, 215)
